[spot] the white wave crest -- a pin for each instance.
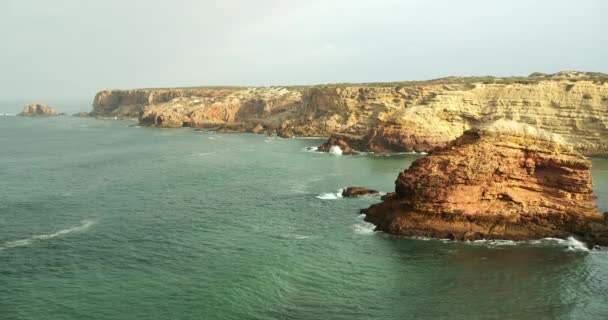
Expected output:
(571, 243)
(335, 150)
(364, 228)
(7, 115)
(330, 196)
(85, 224)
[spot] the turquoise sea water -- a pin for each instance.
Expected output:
(99, 220)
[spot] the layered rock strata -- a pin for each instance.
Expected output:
(505, 181)
(403, 116)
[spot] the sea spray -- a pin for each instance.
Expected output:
(335, 150)
(330, 195)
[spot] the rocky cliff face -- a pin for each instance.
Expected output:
(412, 116)
(37, 109)
(506, 181)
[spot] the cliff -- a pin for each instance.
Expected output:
(403, 116)
(37, 109)
(506, 181)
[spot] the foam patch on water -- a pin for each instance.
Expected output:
(571, 244)
(7, 114)
(497, 243)
(330, 196)
(364, 228)
(85, 224)
(335, 150)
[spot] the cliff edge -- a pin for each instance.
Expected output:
(379, 117)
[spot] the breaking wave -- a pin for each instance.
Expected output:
(85, 224)
(330, 196)
(571, 244)
(335, 150)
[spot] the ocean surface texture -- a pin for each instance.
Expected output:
(99, 220)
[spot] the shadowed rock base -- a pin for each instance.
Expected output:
(506, 181)
(353, 192)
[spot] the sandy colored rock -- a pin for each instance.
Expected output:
(402, 116)
(38, 109)
(506, 181)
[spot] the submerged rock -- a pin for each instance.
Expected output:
(505, 181)
(38, 109)
(353, 192)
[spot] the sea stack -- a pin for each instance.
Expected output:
(37, 109)
(505, 181)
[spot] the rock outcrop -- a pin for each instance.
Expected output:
(403, 116)
(39, 110)
(354, 192)
(505, 181)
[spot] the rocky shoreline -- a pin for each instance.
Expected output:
(381, 117)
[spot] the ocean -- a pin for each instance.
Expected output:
(102, 220)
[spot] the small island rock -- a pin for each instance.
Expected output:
(37, 109)
(505, 181)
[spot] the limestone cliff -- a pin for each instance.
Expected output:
(403, 116)
(506, 181)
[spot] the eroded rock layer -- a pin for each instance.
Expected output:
(404, 116)
(505, 181)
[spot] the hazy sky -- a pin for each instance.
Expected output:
(69, 49)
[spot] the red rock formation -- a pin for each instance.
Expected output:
(506, 181)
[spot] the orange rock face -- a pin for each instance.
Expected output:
(510, 181)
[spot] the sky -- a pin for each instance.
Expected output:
(70, 49)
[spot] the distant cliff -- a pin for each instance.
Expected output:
(402, 116)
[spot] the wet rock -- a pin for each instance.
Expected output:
(353, 192)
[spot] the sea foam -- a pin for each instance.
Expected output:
(335, 150)
(330, 196)
(85, 224)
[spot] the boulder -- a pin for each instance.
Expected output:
(353, 192)
(337, 143)
(258, 128)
